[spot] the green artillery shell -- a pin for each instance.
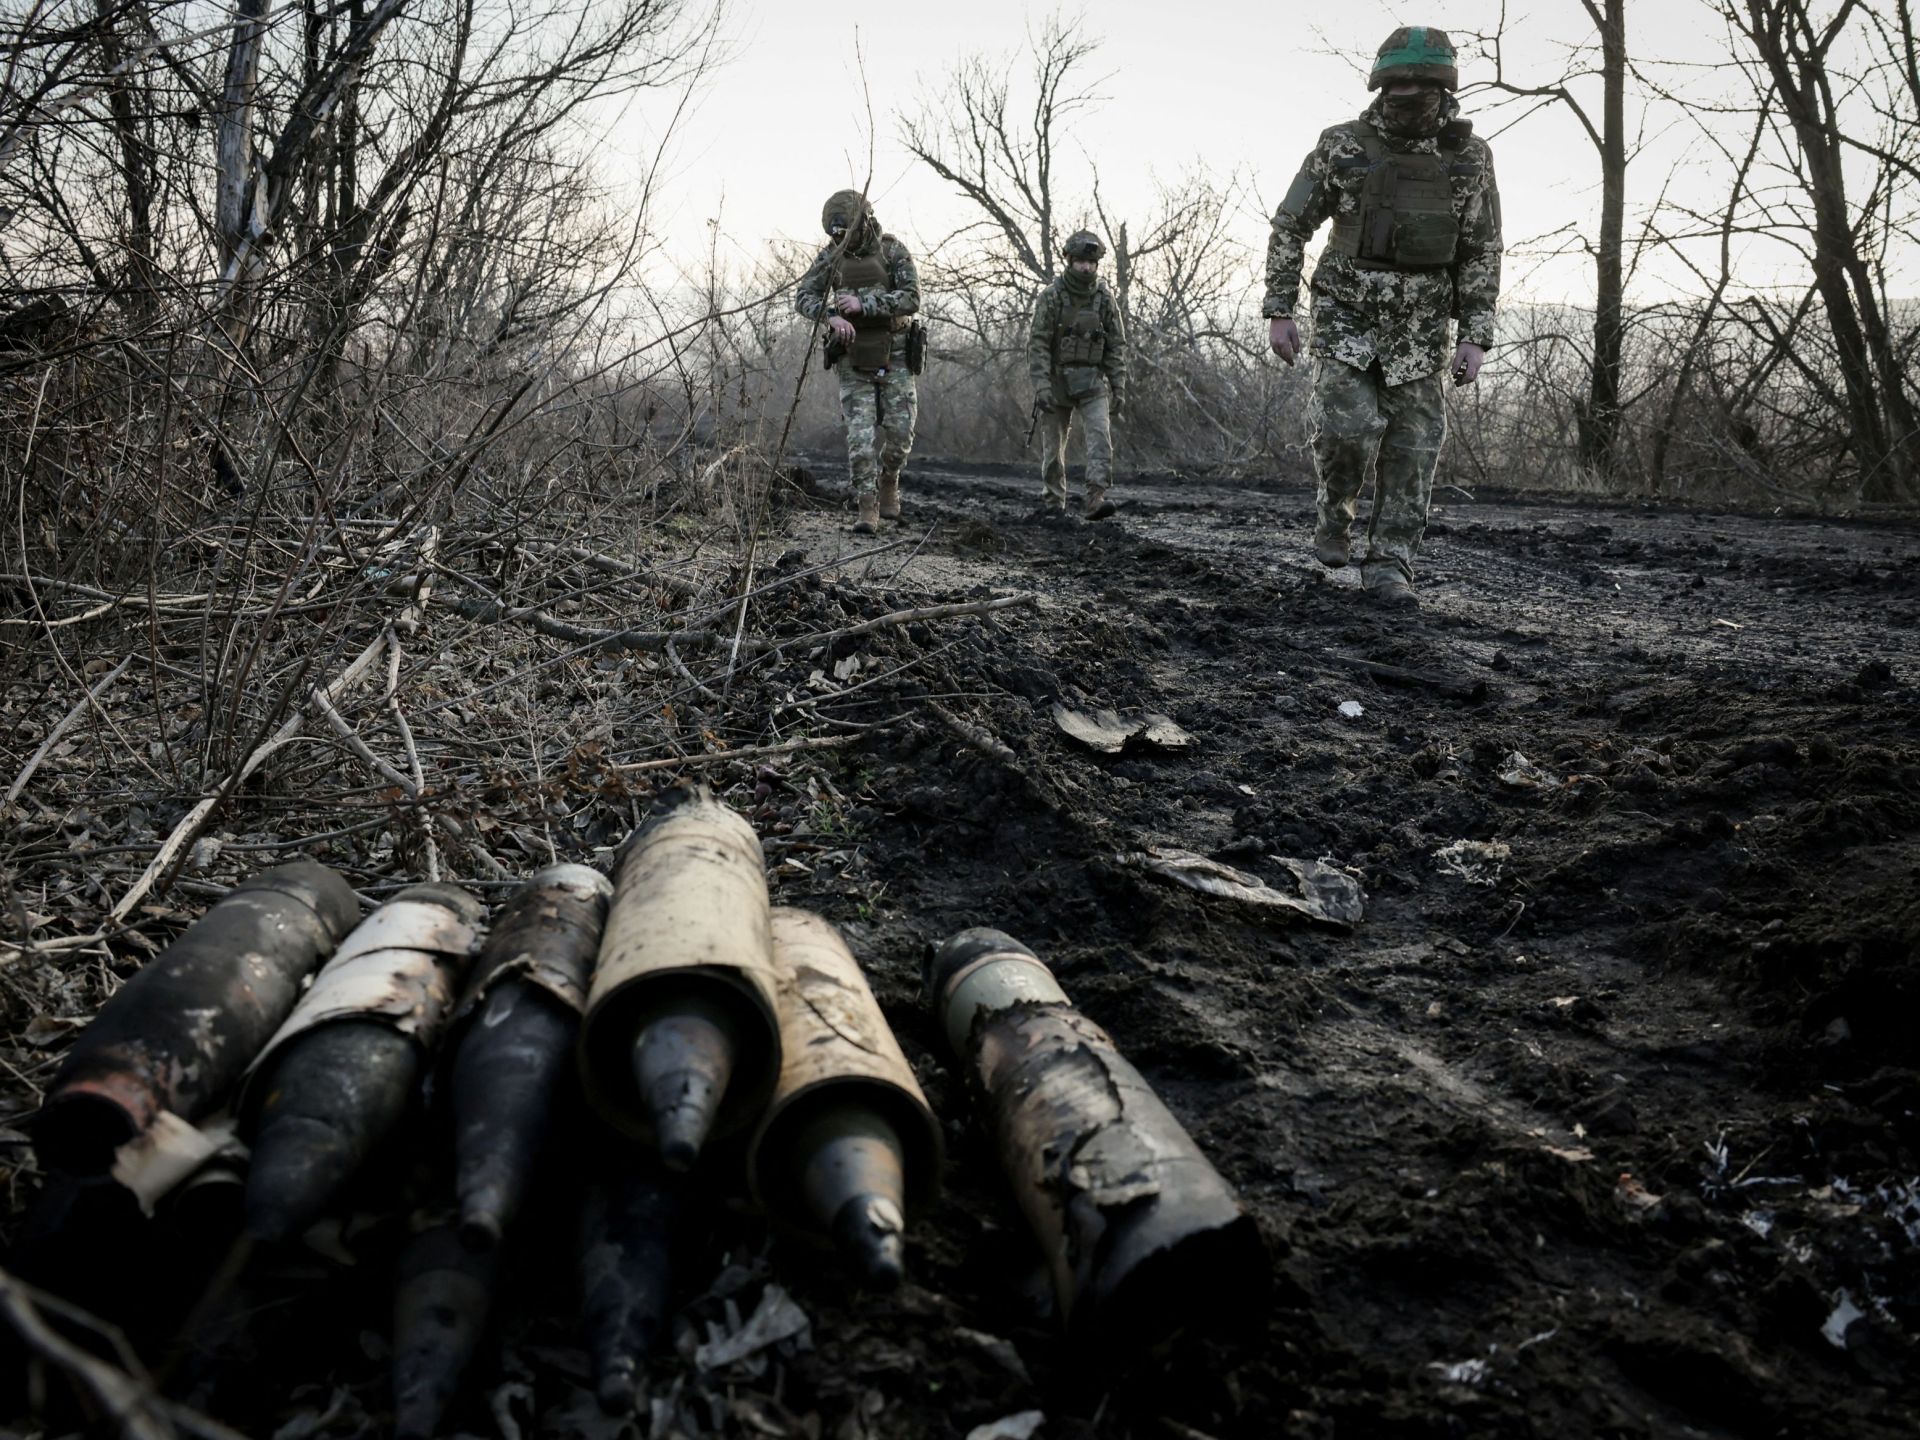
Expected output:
(849, 1141)
(513, 1040)
(680, 1040)
(1143, 1235)
(180, 1034)
(342, 1073)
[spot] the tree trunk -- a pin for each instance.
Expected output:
(1601, 433)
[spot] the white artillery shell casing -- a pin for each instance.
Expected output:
(689, 917)
(994, 982)
(837, 1049)
(401, 965)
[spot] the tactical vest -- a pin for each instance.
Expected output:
(1405, 218)
(872, 347)
(1079, 337)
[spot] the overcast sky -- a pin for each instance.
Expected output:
(1240, 87)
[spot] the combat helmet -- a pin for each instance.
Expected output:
(844, 210)
(1416, 52)
(1083, 245)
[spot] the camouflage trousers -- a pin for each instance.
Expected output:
(1362, 427)
(1097, 430)
(879, 408)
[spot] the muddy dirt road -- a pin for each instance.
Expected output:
(1603, 1121)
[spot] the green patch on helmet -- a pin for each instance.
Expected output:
(1416, 52)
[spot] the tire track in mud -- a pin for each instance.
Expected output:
(1487, 1133)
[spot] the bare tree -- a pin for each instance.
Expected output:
(1599, 415)
(1795, 56)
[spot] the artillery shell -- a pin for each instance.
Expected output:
(440, 1308)
(341, 1074)
(513, 1041)
(848, 1143)
(336, 1093)
(630, 1230)
(680, 1039)
(180, 1034)
(1143, 1235)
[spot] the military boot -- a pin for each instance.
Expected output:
(889, 497)
(1330, 545)
(869, 520)
(1097, 506)
(1388, 587)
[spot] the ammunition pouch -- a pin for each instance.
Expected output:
(1081, 338)
(1405, 219)
(916, 348)
(872, 347)
(1081, 381)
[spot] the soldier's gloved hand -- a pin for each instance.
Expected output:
(842, 329)
(1467, 360)
(848, 302)
(1116, 405)
(1284, 336)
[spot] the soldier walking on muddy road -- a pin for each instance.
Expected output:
(1077, 358)
(1415, 245)
(864, 286)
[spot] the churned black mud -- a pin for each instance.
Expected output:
(1604, 1123)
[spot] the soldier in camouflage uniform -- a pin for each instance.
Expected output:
(864, 286)
(1077, 359)
(1415, 245)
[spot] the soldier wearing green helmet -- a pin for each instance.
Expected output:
(864, 287)
(1414, 251)
(1077, 360)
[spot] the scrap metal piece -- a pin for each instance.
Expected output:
(341, 1075)
(1107, 733)
(681, 1041)
(511, 1041)
(1327, 893)
(1143, 1235)
(178, 1036)
(849, 1143)
(441, 1302)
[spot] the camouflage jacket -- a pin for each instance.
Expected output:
(1055, 303)
(1398, 317)
(901, 297)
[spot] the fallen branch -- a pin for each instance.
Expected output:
(754, 752)
(1453, 686)
(188, 830)
(91, 698)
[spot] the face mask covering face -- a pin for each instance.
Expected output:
(1415, 116)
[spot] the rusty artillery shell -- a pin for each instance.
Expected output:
(630, 1231)
(341, 1074)
(1143, 1235)
(513, 1037)
(849, 1142)
(680, 1040)
(440, 1307)
(179, 1035)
